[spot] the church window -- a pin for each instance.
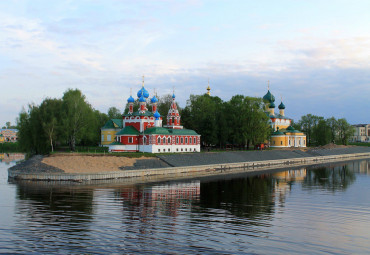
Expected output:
(169, 140)
(186, 149)
(289, 142)
(195, 140)
(130, 140)
(186, 140)
(281, 142)
(182, 140)
(177, 149)
(273, 142)
(177, 140)
(181, 149)
(102, 138)
(159, 150)
(169, 150)
(109, 137)
(159, 140)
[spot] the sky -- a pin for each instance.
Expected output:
(316, 54)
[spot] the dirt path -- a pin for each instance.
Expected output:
(89, 164)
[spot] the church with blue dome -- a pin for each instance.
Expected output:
(142, 131)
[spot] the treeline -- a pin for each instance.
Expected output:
(239, 122)
(321, 131)
(68, 121)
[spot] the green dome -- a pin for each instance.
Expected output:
(290, 128)
(272, 105)
(281, 106)
(269, 97)
(277, 133)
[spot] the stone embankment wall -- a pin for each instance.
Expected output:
(210, 169)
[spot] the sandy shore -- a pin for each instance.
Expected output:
(89, 164)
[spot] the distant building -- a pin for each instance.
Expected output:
(8, 135)
(142, 130)
(362, 133)
(283, 135)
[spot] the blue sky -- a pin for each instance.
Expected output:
(316, 54)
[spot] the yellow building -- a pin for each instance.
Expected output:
(283, 135)
(109, 130)
(2, 139)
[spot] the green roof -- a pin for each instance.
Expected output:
(167, 131)
(113, 123)
(183, 132)
(268, 97)
(128, 130)
(137, 113)
(277, 133)
(115, 143)
(157, 130)
(281, 106)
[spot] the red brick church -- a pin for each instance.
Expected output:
(142, 130)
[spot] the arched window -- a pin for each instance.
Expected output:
(195, 140)
(182, 140)
(144, 139)
(177, 140)
(169, 140)
(159, 140)
(186, 140)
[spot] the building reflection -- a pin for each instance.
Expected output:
(165, 198)
(11, 157)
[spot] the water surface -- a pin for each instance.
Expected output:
(306, 210)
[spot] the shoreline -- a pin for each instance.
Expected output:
(190, 170)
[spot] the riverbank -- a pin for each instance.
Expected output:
(40, 168)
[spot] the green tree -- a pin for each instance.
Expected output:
(50, 112)
(114, 113)
(345, 131)
(333, 126)
(77, 114)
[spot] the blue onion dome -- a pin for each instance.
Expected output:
(130, 100)
(142, 99)
(269, 98)
(143, 92)
(154, 100)
(157, 115)
(173, 95)
(272, 105)
(281, 106)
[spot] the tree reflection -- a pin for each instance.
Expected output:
(49, 205)
(245, 197)
(336, 178)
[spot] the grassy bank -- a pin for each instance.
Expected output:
(360, 144)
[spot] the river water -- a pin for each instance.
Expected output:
(316, 210)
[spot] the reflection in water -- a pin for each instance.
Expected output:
(332, 178)
(11, 157)
(277, 212)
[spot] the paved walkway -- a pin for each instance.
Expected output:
(207, 158)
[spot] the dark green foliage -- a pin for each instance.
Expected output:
(70, 120)
(10, 147)
(114, 113)
(240, 121)
(322, 131)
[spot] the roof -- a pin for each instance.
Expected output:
(113, 123)
(277, 116)
(278, 132)
(137, 113)
(115, 143)
(269, 97)
(157, 130)
(128, 130)
(167, 131)
(183, 132)
(281, 106)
